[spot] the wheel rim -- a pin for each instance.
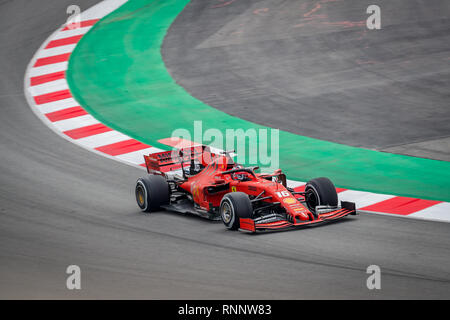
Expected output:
(226, 212)
(311, 199)
(140, 196)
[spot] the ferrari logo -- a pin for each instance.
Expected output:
(233, 189)
(289, 201)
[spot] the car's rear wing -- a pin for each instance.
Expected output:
(160, 162)
(165, 161)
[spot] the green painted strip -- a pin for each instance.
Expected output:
(117, 73)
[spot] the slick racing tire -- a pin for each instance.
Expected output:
(151, 192)
(233, 206)
(320, 192)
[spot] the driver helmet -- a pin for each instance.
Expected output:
(241, 176)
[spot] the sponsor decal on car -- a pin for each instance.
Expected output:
(289, 200)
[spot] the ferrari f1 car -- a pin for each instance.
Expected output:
(198, 181)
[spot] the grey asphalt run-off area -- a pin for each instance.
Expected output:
(314, 68)
(61, 205)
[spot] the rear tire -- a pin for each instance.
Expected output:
(233, 206)
(151, 192)
(320, 192)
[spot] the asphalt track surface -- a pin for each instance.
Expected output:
(313, 68)
(61, 205)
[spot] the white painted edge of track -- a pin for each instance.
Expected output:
(98, 11)
(437, 212)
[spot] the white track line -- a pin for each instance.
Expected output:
(363, 199)
(70, 33)
(102, 139)
(50, 68)
(55, 51)
(75, 123)
(57, 105)
(137, 157)
(49, 87)
(294, 184)
(439, 212)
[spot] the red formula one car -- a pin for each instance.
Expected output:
(214, 186)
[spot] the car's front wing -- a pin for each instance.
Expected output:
(253, 225)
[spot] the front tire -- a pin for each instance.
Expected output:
(151, 192)
(235, 205)
(320, 192)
